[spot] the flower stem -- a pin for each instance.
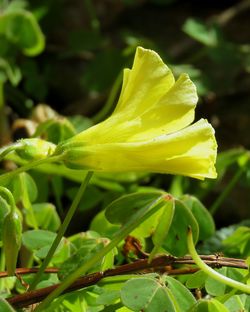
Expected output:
(119, 236)
(209, 271)
(4, 178)
(227, 190)
(62, 229)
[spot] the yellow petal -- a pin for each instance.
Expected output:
(148, 130)
(190, 151)
(159, 109)
(143, 85)
(174, 111)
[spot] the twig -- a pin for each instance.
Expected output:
(23, 271)
(229, 14)
(163, 263)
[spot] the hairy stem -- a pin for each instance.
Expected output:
(5, 178)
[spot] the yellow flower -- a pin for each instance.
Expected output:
(149, 129)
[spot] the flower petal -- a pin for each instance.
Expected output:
(173, 110)
(143, 85)
(190, 151)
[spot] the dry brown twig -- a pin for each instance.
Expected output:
(164, 264)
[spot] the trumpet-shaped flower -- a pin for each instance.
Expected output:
(149, 129)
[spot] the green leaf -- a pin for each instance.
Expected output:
(55, 130)
(196, 280)
(202, 216)
(146, 294)
(46, 217)
(21, 28)
(176, 240)
(164, 223)
(108, 297)
(15, 5)
(84, 246)
(201, 32)
(80, 122)
(40, 241)
(102, 225)
(72, 302)
(238, 242)
(84, 238)
(215, 243)
(28, 182)
(11, 71)
(81, 255)
(226, 159)
(147, 227)
(182, 295)
(5, 306)
(108, 260)
(41, 181)
(209, 306)
(238, 303)
(215, 288)
(37, 239)
(124, 208)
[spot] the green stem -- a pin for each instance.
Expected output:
(123, 233)
(209, 271)
(110, 101)
(227, 190)
(62, 230)
(10, 198)
(6, 150)
(4, 178)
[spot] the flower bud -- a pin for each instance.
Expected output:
(34, 149)
(12, 239)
